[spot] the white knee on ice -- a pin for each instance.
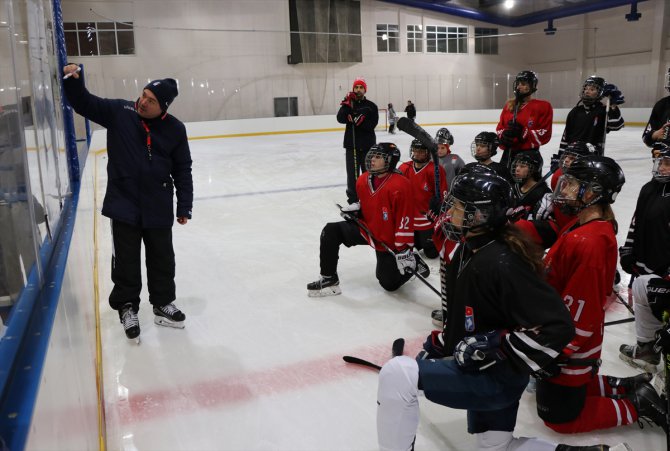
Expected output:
(505, 441)
(397, 404)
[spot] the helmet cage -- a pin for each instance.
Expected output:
(599, 83)
(474, 216)
(533, 170)
(444, 136)
(415, 147)
(484, 143)
(656, 169)
(575, 151)
(386, 151)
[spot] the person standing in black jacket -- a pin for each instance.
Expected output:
(361, 116)
(658, 127)
(410, 109)
(148, 158)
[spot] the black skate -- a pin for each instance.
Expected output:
(640, 355)
(169, 315)
(648, 405)
(619, 447)
(131, 324)
(629, 383)
(325, 286)
(422, 268)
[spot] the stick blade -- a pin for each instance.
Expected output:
(357, 361)
(398, 347)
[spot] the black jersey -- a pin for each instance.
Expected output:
(530, 199)
(649, 232)
(492, 288)
(587, 124)
(660, 114)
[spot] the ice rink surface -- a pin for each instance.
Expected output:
(259, 364)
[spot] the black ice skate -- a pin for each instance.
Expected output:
(169, 315)
(422, 268)
(640, 356)
(131, 324)
(648, 405)
(629, 383)
(619, 447)
(325, 286)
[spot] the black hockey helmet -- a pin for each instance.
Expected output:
(661, 154)
(443, 136)
(529, 77)
(418, 151)
(389, 152)
(596, 82)
(489, 139)
(533, 160)
(482, 198)
(667, 80)
(476, 166)
(600, 175)
(574, 151)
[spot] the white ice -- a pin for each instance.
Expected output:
(259, 364)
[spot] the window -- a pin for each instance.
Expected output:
(436, 39)
(486, 41)
(457, 40)
(388, 38)
(99, 38)
(415, 38)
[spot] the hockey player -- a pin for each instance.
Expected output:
(361, 117)
(658, 127)
(503, 322)
(646, 256)
(451, 162)
(420, 171)
(529, 192)
(586, 121)
(572, 397)
(525, 123)
(483, 148)
(386, 210)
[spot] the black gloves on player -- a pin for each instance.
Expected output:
(615, 95)
(349, 100)
(479, 352)
(658, 296)
(433, 347)
(356, 119)
(627, 259)
(555, 162)
(513, 131)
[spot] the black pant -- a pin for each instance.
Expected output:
(336, 233)
(126, 265)
(355, 166)
(423, 239)
(391, 127)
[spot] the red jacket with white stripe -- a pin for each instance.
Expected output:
(387, 211)
(423, 189)
(535, 117)
(580, 266)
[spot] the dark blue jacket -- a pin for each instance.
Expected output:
(140, 183)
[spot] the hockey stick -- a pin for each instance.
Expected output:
(539, 183)
(396, 349)
(619, 321)
(416, 131)
(388, 249)
(607, 112)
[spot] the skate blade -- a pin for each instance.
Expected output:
(323, 292)
(161, 321)
(647, 367)
(135, 340)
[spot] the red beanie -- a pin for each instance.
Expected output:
(360, 81)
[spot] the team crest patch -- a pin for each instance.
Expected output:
(530, 123)
(469, 319)
(425, 187)
(595, 121)
(385, 214)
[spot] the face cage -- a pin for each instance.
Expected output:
(591, 100)
(531, 171)
(473, 149)
(573, 205)
(472, 218)
(368, 162)
(561, 161)
(655, 170)
(412, 155)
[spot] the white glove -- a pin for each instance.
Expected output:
(546, 206)
(405, 261)
(351, 212)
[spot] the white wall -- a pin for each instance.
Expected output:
(243, 70)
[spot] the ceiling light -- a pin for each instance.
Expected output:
(509, 4)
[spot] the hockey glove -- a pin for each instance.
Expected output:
(615, 95)
(358, 119)
(435, 205)
(662, 341)
(349, 100)
(627, 259)
(658, 296)
(479, 352)
(515, 129)
(433, 347)
(553, 369)
(514, 214)
(555, 162)
(546, 207)
(351, 212)
(405, 261)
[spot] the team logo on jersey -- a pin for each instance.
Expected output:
(425, 187)
(530, 123)
(385, 214)
(469, 319)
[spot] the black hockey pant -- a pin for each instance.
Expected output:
(336, 233)
(126, 265)
(423, 239)
(355, 166)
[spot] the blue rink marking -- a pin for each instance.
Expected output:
(276, 191)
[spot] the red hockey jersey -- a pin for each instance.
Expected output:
(423, 189)
(387, 211)
(536, 117)
(580, 266)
